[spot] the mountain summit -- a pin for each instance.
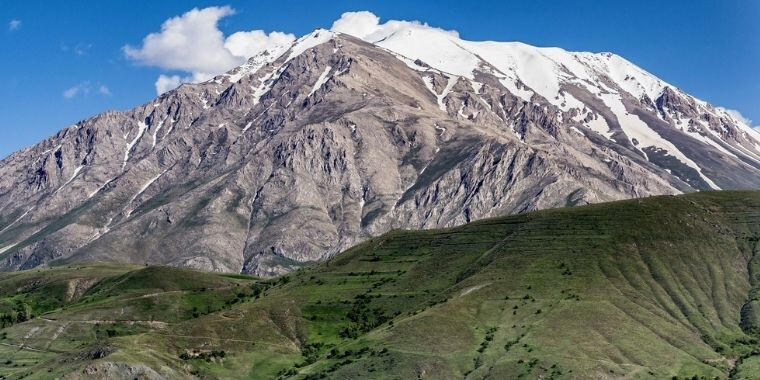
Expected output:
(312, 147)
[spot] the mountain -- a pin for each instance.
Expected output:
(662, 287)
(311, 148)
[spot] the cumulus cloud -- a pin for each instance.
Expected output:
(248, 44)
(166, 83)
(14, 25)
(194, 48)
(357, 24)
(192, 43)
(366, 25)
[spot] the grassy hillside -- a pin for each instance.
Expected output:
(655, 288)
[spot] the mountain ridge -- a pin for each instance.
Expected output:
(289, 159)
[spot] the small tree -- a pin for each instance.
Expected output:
(22, 312)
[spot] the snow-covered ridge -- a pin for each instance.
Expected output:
(310, 40)
(524, 71)
(543, 70)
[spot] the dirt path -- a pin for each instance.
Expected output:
(288, 346)
(23, 347)
(151, 323)
(473, 288)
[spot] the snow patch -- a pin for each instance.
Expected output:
(460, 112)
(634, 128)
(600, 126)
(16, 220)
(92, 194)
(256, 62)
(440, 97)
(172, 123)
(707, 140)
(472, 289)
(142, 190)
(323, 78)
(155, 133)
(7, 247)
(625, 74)
(309, 41)
(521, 93)
(266, 83)
(141, 130)
(76, 172)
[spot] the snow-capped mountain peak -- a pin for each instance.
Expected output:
(312, 146)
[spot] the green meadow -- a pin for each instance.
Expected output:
(661, 287)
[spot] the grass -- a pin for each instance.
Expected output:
(661, 287)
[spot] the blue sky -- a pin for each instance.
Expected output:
(63, 61)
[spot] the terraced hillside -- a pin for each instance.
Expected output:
(660, 287)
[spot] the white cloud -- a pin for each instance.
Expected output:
(739, 117)
(14, 25)
(104, 90)
(81, 88)
(736, 115)
(166, 83)
(193, 43)
(79, 49)
(248, 44)
(358, 24)
(366, 25)
(84, 88)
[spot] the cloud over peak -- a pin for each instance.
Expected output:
(193, 43)
(192, 48)
(248, 44)
(366, 25)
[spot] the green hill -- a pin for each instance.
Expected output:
(660, 287)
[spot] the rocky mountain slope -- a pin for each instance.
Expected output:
(310, 148)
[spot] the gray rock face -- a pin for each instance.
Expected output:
(304, 152)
